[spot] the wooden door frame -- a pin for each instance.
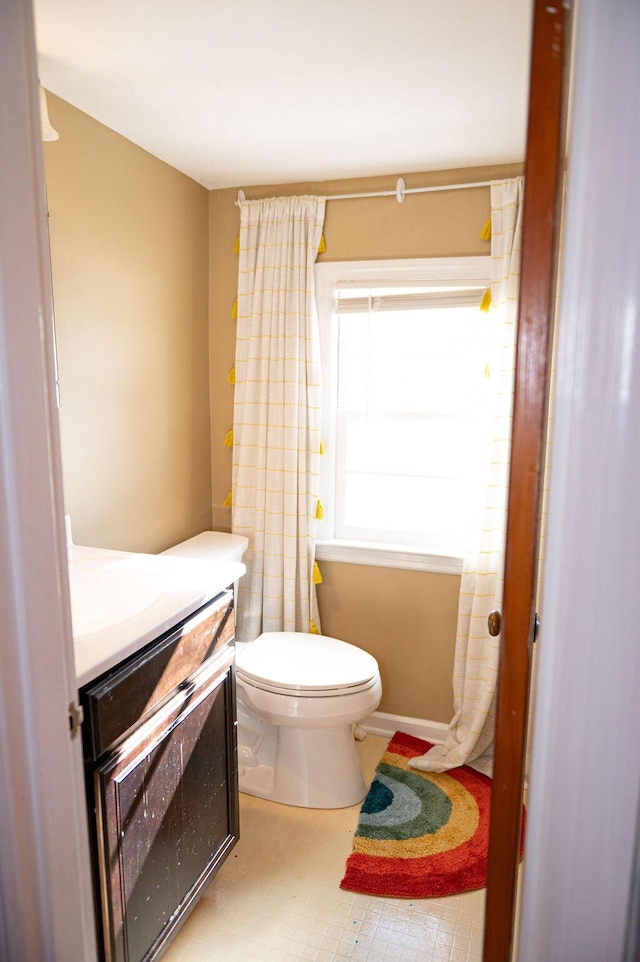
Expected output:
(541, 216)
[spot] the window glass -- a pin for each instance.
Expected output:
(408, 401)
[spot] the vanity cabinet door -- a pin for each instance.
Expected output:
(167, 813)
(130, 693)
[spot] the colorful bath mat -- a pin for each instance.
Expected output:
(420, 834)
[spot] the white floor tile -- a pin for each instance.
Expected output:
(277, 898)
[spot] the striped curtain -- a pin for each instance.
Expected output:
(471, 732)
(276, 423)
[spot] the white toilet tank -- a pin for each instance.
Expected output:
(212, 546)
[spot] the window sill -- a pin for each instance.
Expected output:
(387, 556)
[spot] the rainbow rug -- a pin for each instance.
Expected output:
(420, 834)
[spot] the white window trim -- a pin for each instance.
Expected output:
(386, 556)
(328, 274)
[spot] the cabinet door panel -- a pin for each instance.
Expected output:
(168, 816)
(135, 690)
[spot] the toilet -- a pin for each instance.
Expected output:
(299, 696)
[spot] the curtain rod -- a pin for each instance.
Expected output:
(399, 193)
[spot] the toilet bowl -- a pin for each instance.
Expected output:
(298, 696)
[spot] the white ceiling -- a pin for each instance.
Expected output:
(242, 92)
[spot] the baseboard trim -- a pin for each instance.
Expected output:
(383, 723)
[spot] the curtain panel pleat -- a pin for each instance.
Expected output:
(276, 424)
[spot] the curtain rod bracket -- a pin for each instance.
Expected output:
(400, 191)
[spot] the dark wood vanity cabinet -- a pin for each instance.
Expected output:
(160, 750)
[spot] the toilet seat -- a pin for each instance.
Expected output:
(305, 666)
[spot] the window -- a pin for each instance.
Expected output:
(406, 356)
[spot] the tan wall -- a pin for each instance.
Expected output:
(129, 249)
(131, 253)
(406, 619)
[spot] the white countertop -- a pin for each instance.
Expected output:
(122, 600)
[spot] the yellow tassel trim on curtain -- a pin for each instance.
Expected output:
(323, 245)
(228, 501)
(485, 233)
(234, 310)
(228, 439)
(236, 245)
(319, 511)
(485, 303)
(231, 376)
(321, 448)
(313, 628)
(317, 574)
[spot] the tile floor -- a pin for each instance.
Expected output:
(277, 898)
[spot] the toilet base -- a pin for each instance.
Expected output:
(306, 767)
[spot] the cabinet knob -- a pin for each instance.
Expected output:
(494, 623)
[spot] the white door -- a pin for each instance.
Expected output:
(45, 890)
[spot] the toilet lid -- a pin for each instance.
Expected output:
(296, 661)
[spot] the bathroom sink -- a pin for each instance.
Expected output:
(123, 600)
(106, 594)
